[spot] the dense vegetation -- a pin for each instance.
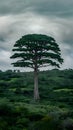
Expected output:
(18, 111)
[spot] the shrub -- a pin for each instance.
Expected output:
(6, 109)
(47, 123)
(3, 124)
(68, 124)
(22, 122)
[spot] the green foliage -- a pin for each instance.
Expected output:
(18, 111)
(3, 124)
(54, 85)
(13, 116)
(36, 49)
(55, 120)
(67, 124)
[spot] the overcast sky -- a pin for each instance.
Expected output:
(50, 17)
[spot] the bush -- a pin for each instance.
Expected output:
(3, 124)
(47, 123)
(6, 109)
(68, 124)
(22, 122)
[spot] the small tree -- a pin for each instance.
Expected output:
(36, 51)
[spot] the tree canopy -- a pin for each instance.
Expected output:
(38, 49)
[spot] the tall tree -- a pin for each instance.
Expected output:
(36, 51)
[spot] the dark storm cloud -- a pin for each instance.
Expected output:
(11, 7)
(42, 7)
(60, 8)
(51, 17)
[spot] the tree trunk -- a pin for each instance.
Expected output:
(36, 91)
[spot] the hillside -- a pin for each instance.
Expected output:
(16, 99)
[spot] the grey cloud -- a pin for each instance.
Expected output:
(16, 26)
(68, 37)
(58, 8)
(67, 32)
(2, 39)
(4, 59)
(51, 17)
(63, 29)
(54, 7)
(10, 7)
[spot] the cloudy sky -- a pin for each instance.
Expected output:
(50, 17)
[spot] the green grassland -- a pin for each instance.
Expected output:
(19, 111)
